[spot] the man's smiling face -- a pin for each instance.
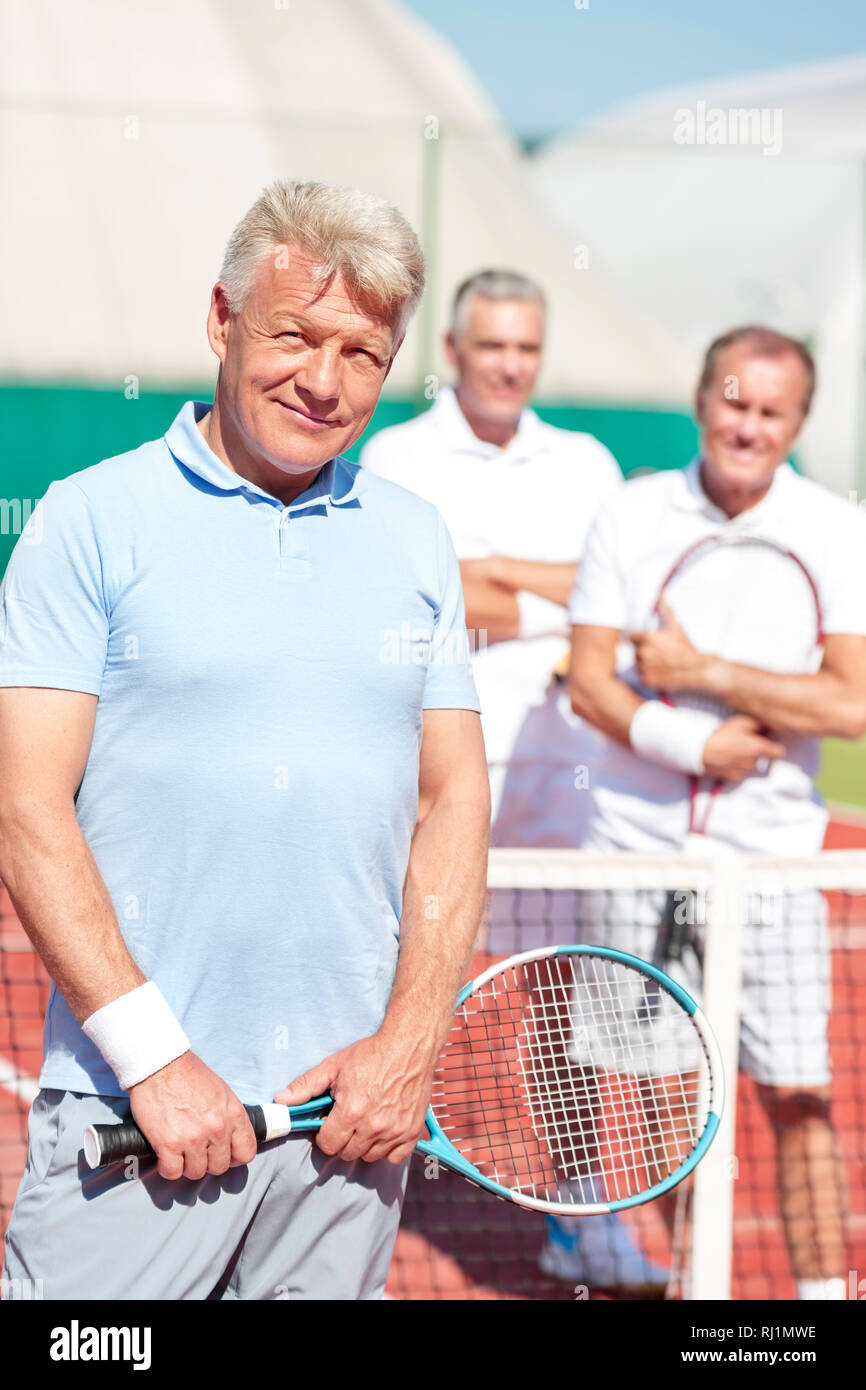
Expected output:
(750, 413)
(498, 355)
(301, 371)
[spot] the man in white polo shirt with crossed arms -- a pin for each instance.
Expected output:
(517, 496)
(753, 396)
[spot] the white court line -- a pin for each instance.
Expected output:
(847, 814)
(24, 1087)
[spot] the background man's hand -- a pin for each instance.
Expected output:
(737, 747)
(666, 659)
(381, 1089)
(193, 1120)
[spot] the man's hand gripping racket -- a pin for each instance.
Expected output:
(740, 598)
(575, 1079)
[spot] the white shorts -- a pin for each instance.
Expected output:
(785, 994)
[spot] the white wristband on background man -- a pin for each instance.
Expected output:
(137, 1034)
(673, 738)
(540, 617)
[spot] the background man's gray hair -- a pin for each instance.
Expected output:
(765, 342)
(492, 284)
(358, 236)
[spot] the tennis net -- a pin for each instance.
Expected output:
(781, 1192)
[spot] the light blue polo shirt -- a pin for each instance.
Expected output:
(252, 785)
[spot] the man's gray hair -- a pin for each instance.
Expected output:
(358, 236)
(492, 284)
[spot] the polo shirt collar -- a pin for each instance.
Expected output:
(691, 497)
(529, 441)
(335, 484)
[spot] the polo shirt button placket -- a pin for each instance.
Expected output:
(293, 546)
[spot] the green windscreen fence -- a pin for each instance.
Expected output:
(51, 431)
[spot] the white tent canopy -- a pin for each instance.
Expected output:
(134, 137)
(705, 236)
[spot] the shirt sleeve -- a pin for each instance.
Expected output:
(54, 619)
(449, 682)
(608, 473)
(599, 597)
(843, 595)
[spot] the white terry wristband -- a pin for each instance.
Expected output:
(674, 738)
(540, 617)
(137, 1034)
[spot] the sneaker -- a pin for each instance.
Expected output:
(599, 1251)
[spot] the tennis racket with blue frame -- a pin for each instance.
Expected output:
(575, 1080)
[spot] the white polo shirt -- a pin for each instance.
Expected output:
(635, 540)
(532, 500)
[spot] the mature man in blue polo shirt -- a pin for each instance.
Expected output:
(229, 796)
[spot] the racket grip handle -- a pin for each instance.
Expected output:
(104, 1144)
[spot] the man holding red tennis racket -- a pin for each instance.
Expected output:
(719, 632)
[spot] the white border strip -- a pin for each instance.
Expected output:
(24, 1087)
(537, 869)
(712, 1237)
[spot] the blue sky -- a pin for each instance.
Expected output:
(549, 65)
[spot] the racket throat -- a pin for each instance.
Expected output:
(701, 802)
(440, 1151)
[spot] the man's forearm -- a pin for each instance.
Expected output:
(831, 701)
(492, 613)
(549, 580)
(443, 905)
(604, 701)
(65, 908)
(817, 706)
(491, 588)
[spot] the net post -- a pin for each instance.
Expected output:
(713, 1206)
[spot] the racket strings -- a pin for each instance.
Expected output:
(667, 1125)
(747, 599)
(573, 1079)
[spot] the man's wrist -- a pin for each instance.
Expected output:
(715, 678)
(420, 1031)
(137, 1034)
(673, 738)
(497, 570)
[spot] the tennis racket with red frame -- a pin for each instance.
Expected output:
(747, 599)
